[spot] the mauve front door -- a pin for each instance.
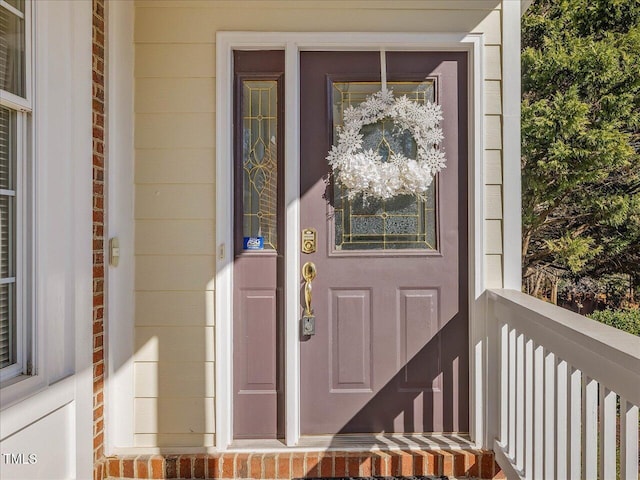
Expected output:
(390, 299)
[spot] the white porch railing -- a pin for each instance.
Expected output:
(568, 390)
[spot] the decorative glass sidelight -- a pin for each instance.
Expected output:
(260, 161)
(403, 222)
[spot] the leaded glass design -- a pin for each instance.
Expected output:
(403, 222)
(260, 160)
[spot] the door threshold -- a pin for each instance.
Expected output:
(257, 445)
(359, 443)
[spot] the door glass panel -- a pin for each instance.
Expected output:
(403, 222)
(260, 160)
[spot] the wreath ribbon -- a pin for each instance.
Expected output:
(383, 69)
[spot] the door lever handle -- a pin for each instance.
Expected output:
(308, 273)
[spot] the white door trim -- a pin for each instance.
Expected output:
(292, 43)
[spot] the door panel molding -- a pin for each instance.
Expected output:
(292, 43)
(350, 367)
(414, 331)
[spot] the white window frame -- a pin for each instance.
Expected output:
(23, 224)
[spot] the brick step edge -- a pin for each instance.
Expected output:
(478, 464)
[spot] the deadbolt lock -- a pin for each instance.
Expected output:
(309, 236)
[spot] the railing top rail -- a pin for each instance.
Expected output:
(603, 352)
(610, 339)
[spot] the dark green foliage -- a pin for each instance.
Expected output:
(581, 137)
(627, 320)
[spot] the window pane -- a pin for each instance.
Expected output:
(12, 63)
(7, 149)
(18, 4)
(7, 237)
(260, 160)
(403, 222)
(7, 325)
(7, 283)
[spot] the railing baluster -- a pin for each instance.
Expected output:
(538, 413)
(550, 416)
(512, 393)
(520, 401)
(607, 432)
(628, 440)
(575, 425)
(590, 435)
(562, 419)
(504, 387)
(529, 451)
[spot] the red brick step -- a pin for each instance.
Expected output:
(478, 464)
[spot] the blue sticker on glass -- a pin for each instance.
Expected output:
(253, 243)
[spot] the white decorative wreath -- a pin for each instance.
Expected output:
(364, 172)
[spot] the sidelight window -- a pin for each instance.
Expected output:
(260, 161)
(258, 138)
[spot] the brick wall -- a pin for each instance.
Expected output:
(98, 25)
(477, 464)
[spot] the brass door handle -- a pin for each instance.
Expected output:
(308, 273)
